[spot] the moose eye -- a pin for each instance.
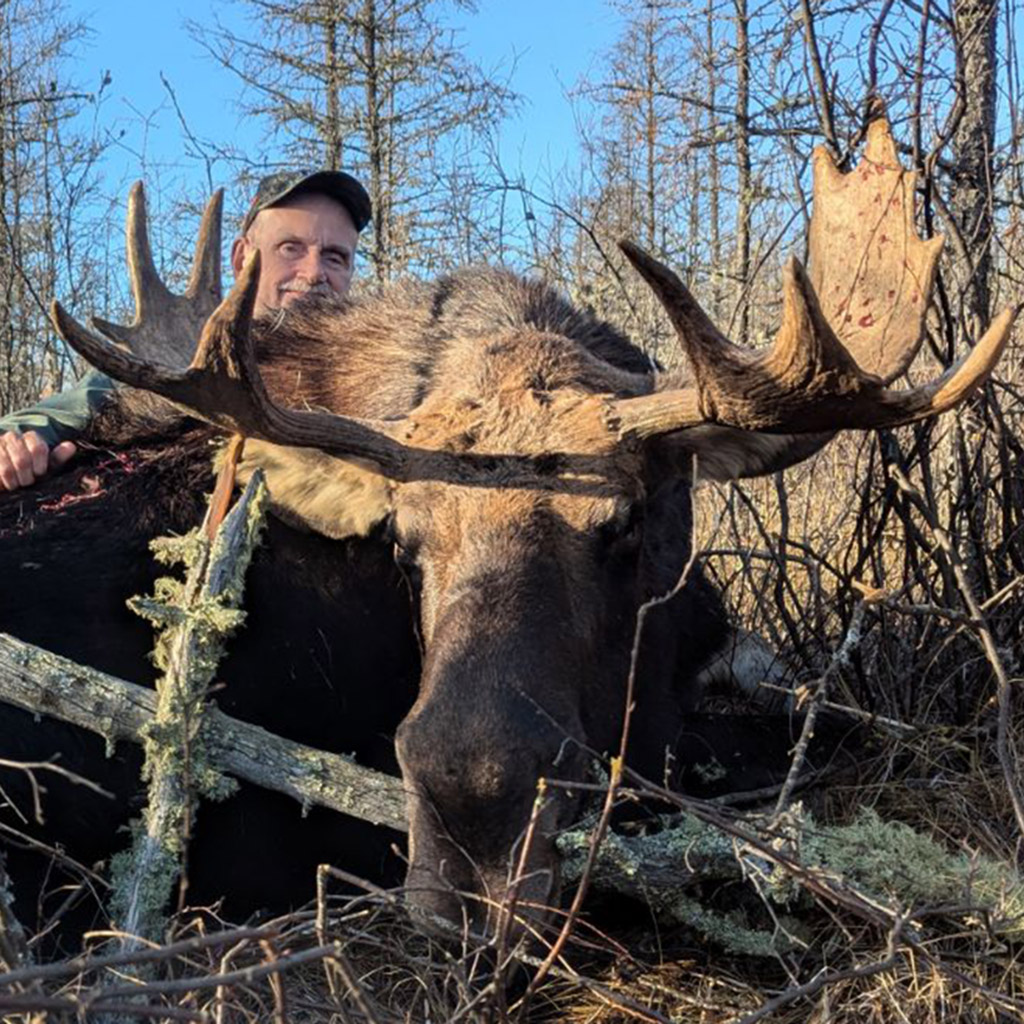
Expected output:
(405, 557)
(624, 532)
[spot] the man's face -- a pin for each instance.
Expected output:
(307, 244)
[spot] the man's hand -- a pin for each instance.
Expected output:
(24, 459)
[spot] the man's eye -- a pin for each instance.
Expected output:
(290, 249)
(340, 260)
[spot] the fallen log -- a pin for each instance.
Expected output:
(658, 869)
(47, 684)
(882, 869)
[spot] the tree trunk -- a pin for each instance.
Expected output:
(972, 208)
(650, 117)
(714, 174)
(375, 142)
(741, 266)
(973, 145)
(332, 127)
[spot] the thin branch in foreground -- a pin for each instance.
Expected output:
(614, 781)
(840, 660)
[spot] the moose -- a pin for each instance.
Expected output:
(476, 487)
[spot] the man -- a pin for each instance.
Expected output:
(305, 227)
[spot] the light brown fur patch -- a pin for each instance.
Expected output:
(338, 498)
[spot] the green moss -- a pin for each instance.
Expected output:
(186, 550)
(150, 890)
(892, 861)
(888, 861)
(731, 931)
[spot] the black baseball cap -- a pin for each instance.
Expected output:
(281, 185)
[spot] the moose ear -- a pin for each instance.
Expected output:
(727, 453)
(309, 490)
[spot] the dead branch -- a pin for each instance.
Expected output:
(81, 965)
(870, 867)
(14, 950)
(600, 830)
(194, 622)
(818, 693)
(73, 1007)
(820, 981)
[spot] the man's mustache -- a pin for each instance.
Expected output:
(304, 287)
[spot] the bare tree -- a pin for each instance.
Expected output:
(744, 178)
(379, 87)
(47, 176)
(973, 148)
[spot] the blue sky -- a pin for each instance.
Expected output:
(549, 45)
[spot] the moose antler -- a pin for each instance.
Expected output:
(828, 369)
(810, 381)
(222, 384)
(166, 325)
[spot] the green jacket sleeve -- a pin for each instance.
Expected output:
(65, 416)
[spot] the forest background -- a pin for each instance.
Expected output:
(688, 126)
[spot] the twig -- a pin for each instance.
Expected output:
(615, 778)
(840, 659)
(55, 854)
(813, 987)
(243, 975)
(867, 717)
(822, 94)
(52, 1004)
(31, 767)
(85, 964)
(508, 909)
(276, 989)
(355, 990)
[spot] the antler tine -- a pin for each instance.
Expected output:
(701, 340)
(166, 325)
(807, 382)
(805, 345)
(732, 385)
(223, 386)
(147, 288)
(99, 352)
(204, 281)
(958, 382)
